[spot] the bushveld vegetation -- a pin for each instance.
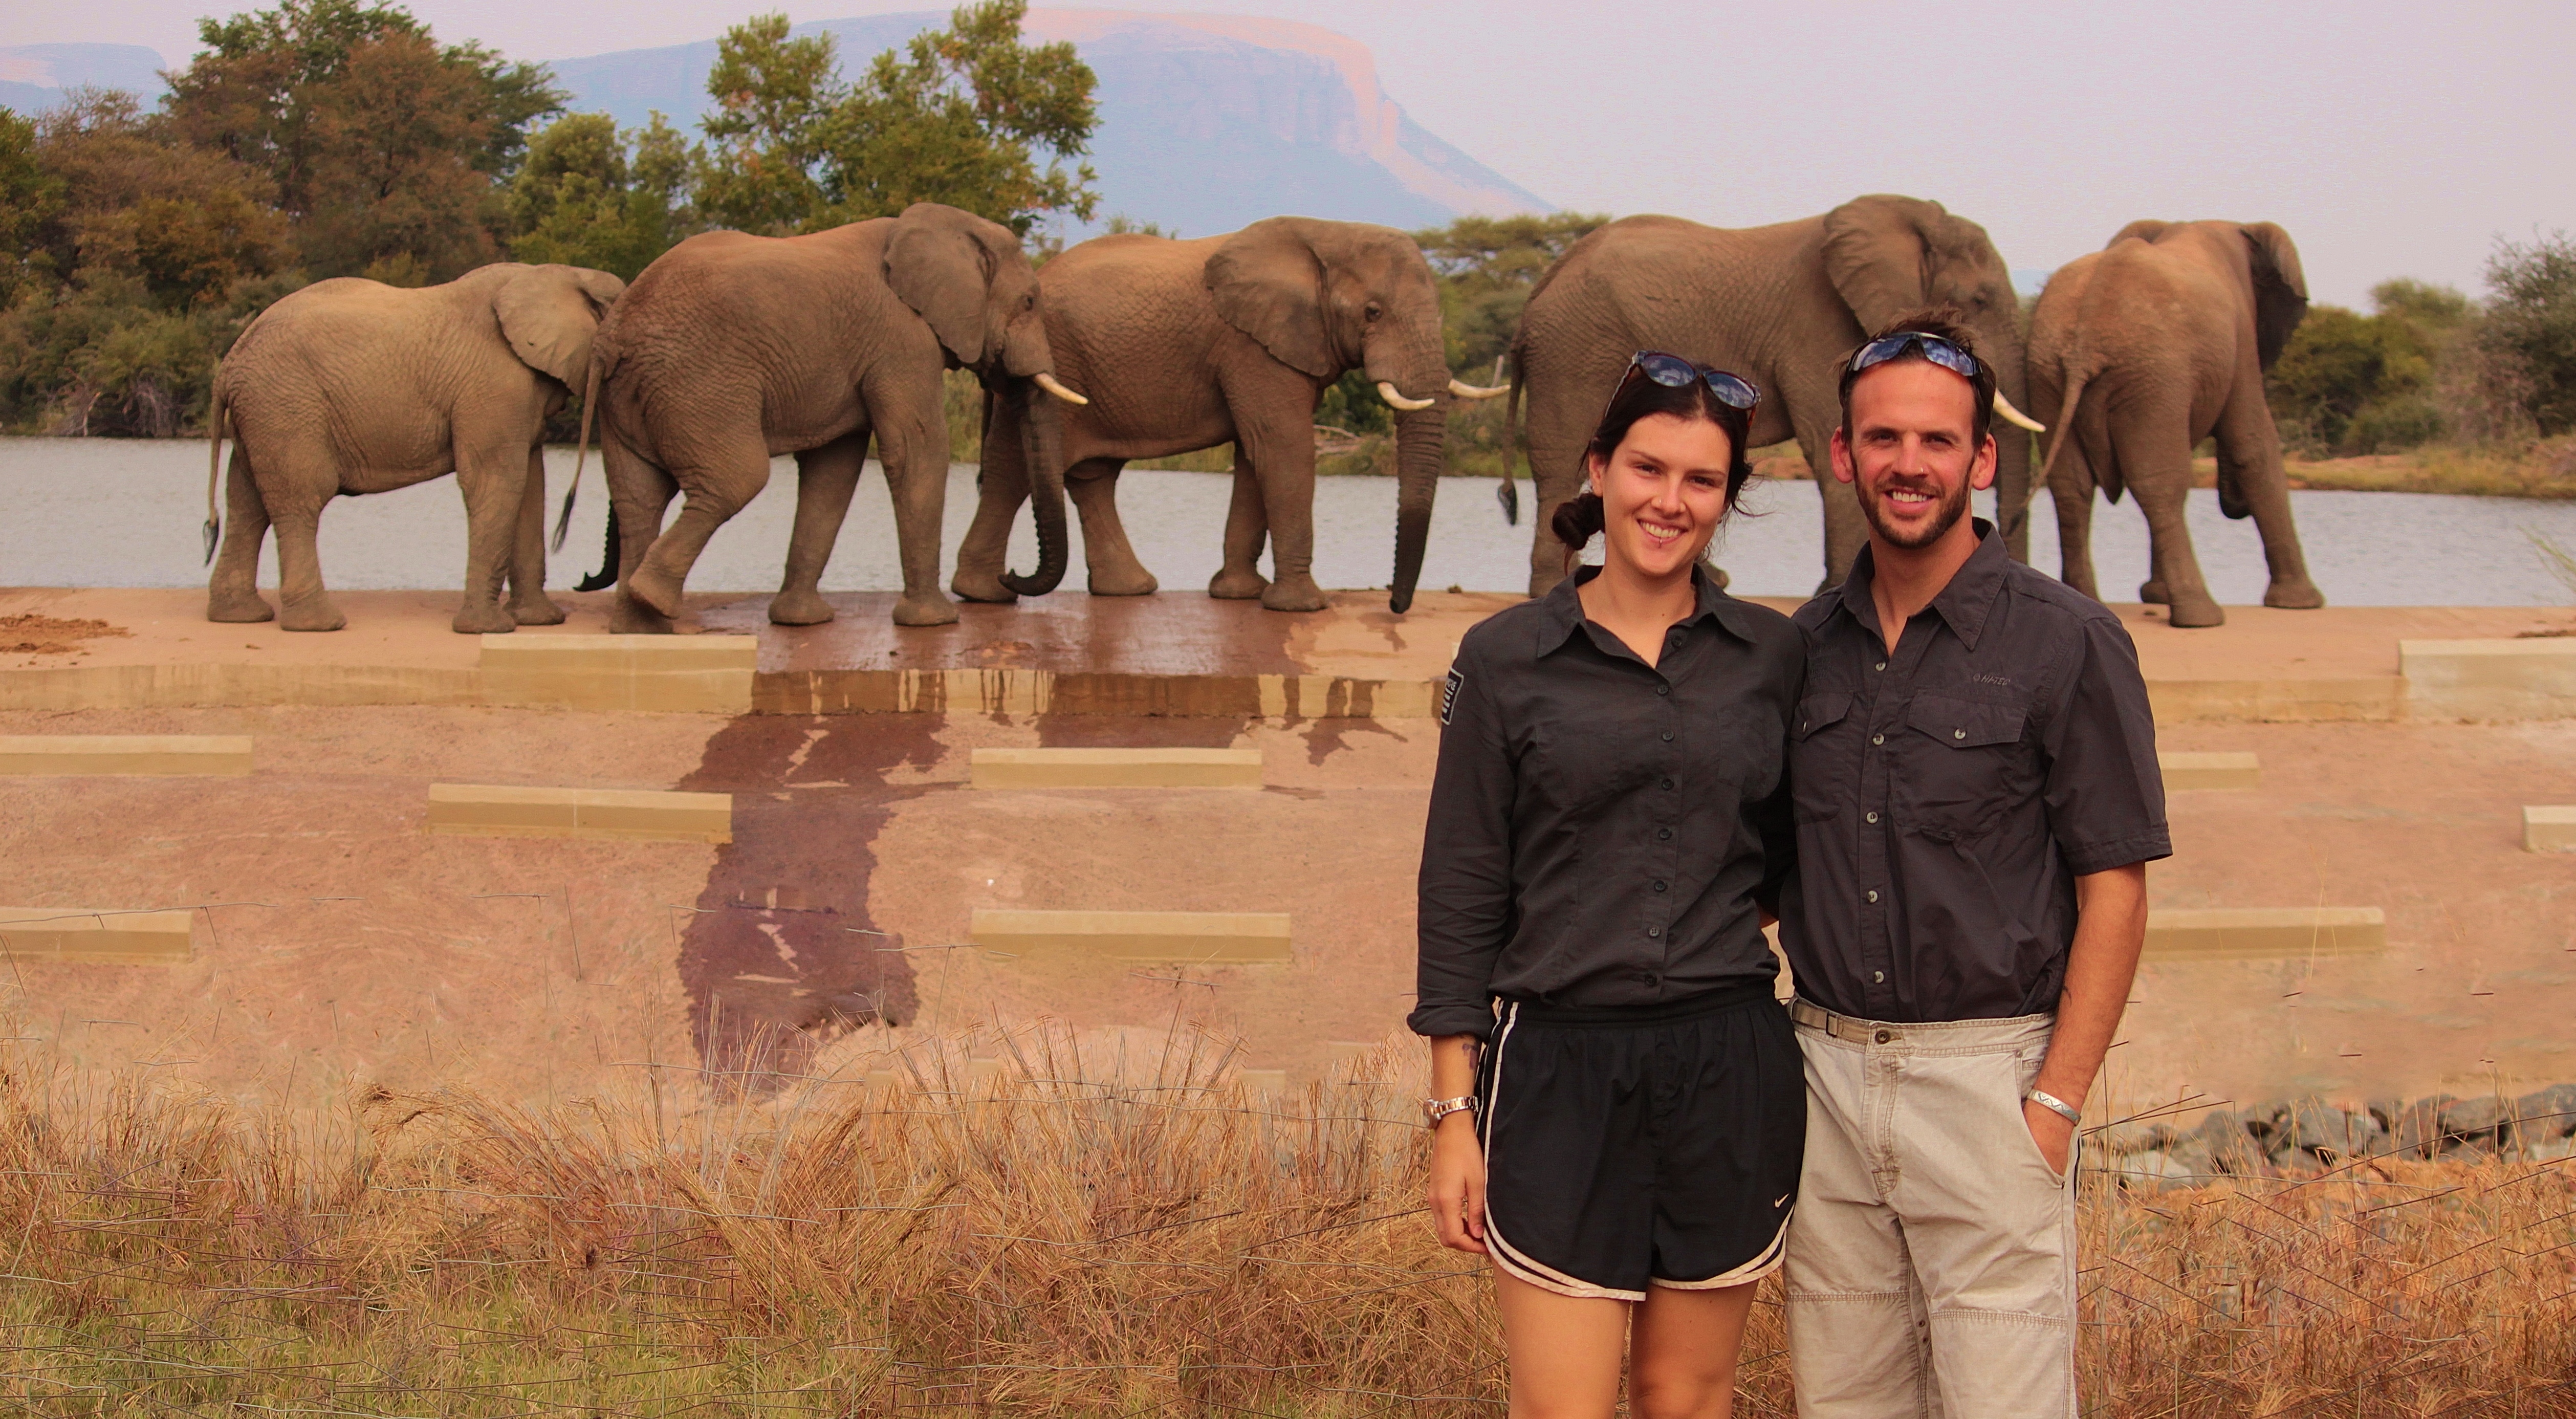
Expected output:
(1056, 1229)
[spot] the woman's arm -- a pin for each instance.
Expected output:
(1457, 1159)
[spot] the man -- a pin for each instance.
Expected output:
(1977, 796)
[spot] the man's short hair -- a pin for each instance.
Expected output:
(1943, 322)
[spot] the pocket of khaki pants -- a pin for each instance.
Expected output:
(2024, 1071)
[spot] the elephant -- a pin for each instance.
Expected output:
(1779, 305)
(731, 348)
(1190, 344)
(2146, 347)
(350, 386)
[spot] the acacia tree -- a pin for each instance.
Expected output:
(589, 195)
(959, 116)
(2530, 326)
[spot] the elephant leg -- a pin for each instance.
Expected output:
(1566, 393)
(2249, 459)
(1000, 487)
(825, 479)
(494, 481)
(232, 593)
(639, 494)
(912, 444)
(717, 489)
(305, 604)
(1111, 563)
(529, 604)
(1280, 441)
(2071, 488)
(1846, 527)
(1246, 528)
(2155, 462)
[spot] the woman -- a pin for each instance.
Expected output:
(1617, 1098)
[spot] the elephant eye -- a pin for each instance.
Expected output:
(1374, 310)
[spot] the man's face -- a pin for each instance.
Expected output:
(1908, 454)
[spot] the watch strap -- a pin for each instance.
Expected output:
(1434, 1110)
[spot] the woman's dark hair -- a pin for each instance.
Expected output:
(1578, 518)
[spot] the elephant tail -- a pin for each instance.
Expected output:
(2059, 433)
(217, 413)
(1508, 492)
(606, 576)
(581, 451)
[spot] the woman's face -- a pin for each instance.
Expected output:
(1663, 493)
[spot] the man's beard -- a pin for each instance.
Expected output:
(1946, 516)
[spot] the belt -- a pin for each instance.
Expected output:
(1843, 1027)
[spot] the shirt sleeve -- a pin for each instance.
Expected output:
(1464, 912)
(2106, 794)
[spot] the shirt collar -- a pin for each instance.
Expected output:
(1563, 609)
(1962, 605)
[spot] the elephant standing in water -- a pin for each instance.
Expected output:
(2145, 348)
(1778, 305)
(349, 386)
(1189, 344)
(732, 348)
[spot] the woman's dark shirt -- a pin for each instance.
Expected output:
(1602, 830)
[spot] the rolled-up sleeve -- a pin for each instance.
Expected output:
(1465, 907)
(2106, 793)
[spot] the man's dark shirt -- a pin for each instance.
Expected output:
(1949, 795)
(1601, 829)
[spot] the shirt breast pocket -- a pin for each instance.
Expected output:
(1965, 766)
(1824, 756)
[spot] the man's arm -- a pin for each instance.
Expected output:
(2110, 930)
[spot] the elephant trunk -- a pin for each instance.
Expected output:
(1419, 438)
(2013, 487)
(1040, 420)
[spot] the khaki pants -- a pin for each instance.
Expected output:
(1932, 1258)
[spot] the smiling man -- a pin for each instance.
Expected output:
(1977, 797)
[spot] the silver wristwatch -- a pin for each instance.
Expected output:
(1434, 1110)
(2056, 1105)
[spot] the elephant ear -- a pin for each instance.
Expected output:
(1878, 254)
(935, 264)
(2144, 229)
(1269, 284)
(550, 313)
(2280, 289)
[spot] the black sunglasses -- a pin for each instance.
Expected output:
(1674, 372)
(1939, 351)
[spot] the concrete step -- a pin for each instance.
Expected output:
(2550, 829)
(1167, 938)
(704, 674)
(2264, 933)
(628, 815)
(2523, 678)
(158, 755)
(2219, 770)
(1116, 768)
(116, 938)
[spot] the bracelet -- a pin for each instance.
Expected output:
(1434, 1110)
(2056, 1105)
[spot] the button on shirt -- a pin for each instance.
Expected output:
(1949, 794)
(1600, 829)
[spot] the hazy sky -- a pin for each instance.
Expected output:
(2390, 139)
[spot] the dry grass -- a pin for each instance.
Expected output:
(1054, 1233)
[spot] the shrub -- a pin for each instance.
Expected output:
(2530, 327)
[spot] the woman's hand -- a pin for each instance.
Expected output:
(1458, 1182)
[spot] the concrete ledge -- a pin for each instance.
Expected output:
(2302, 701)
(1170, 938)
(147, 938)
(192, 685)
(2490, 679)
(2549, 829)
(2264, 933)
(628, 815)
(1116, 768)
(1030, 692)
(153, 754)
(2210, 770)
(670, 674)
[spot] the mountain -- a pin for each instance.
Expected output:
(1207, 122)
(34, 76)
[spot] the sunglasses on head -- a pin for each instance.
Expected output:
(1674, 372)
(1939, 351)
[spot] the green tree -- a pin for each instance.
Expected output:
(960, 115)
(2354, 383)
(1487, 268)
(2529, 329)
(30, 197)
(589, 195)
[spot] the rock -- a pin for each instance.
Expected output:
(2185, 1164)
(2418, 1127)
(2548, 1114)
(2119, 1140)
(2231, 1149)
(2322, 1132)
(2548, 1150)
(2487, 1120)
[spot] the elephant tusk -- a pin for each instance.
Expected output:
(1048, 383)
(2015, 417)
(1464, 390)
(1387, 392)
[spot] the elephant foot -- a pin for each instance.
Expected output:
(486, 620)
(238, 608)
(1232, 584)
(1294, 594)
(539, 611)
(930, 610)
(655, 590)
(1123, 581)
(2154, 593)
(315, 614)
(981, 585)
(626, 618)
(2195, 611)
(2298, 595)
(802, 607)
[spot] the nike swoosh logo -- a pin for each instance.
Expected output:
(1780, 1199)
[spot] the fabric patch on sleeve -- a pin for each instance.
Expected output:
(1449, 695)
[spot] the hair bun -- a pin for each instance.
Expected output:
(1575, 521)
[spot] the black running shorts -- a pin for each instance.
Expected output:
(1636, 1146)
